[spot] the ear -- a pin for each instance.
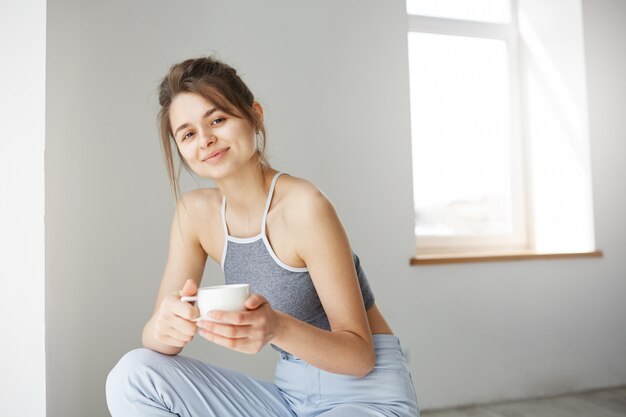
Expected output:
(257, 108)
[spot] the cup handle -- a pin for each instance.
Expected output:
(188, 298)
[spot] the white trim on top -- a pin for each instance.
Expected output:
(245, 239)
(223, 210)
(268, 202)
(278, 261)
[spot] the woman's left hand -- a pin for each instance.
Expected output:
(243, 331)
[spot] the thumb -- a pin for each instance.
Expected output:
(255, 301)
(190, 287)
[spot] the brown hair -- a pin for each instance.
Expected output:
(218, 83)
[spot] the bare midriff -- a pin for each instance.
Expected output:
(378, 325)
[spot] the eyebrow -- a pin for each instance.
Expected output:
(207, 114)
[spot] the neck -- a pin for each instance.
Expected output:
(246, 191)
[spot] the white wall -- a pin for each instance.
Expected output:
(333, 78)
(22, 117)
(553, 60)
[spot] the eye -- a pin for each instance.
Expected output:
(186, 135)
(217, 121)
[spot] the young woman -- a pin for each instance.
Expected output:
(311, 300)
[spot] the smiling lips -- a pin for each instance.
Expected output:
(214, 154)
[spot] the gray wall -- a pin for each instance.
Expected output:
(333, 79)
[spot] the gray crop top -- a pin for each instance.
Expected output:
(290, 290)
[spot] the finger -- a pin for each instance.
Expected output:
(255, 301)
(178, 335)
(184, 326)
(236, 344)
(190, 288)
(232, 317)
(170, 341)
(226, 330)
(185, 310)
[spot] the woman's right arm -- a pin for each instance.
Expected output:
(170, 328)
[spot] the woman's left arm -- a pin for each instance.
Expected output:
(322, 243)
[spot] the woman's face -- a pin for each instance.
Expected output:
(213, 143)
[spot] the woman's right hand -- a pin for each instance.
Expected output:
(173, 323)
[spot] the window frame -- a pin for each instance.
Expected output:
(521, 238)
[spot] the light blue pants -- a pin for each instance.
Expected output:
(147, 383)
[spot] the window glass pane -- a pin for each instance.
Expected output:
(497, 11)
(461, 135)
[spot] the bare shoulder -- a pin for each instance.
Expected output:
(199, 210)
(199, 215)
(303, 201)
(316, 232)
(199, 202)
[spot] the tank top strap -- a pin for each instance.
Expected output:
(223, 213)
(269, 201)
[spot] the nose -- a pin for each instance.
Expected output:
(206, 139)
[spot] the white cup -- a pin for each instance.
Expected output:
(220, 297)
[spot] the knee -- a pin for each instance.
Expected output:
(130, 370)
(131, 362)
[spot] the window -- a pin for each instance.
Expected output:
(498, 122)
